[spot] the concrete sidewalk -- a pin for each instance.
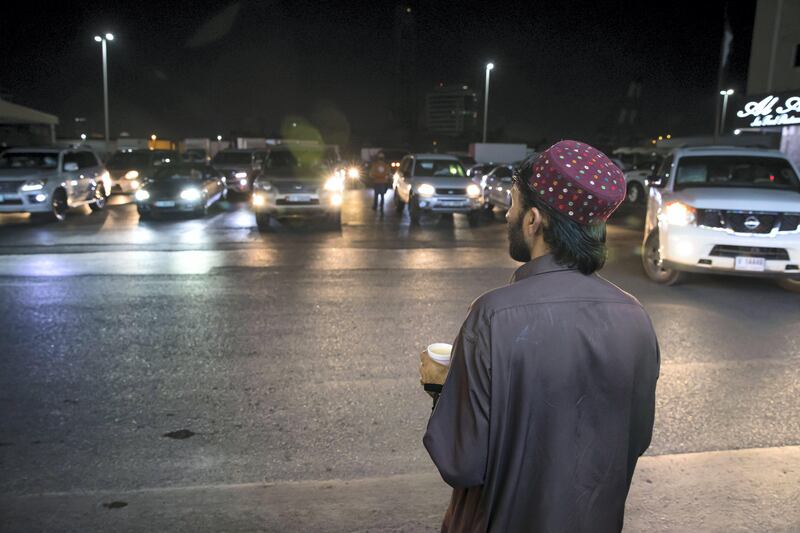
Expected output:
(745, 490)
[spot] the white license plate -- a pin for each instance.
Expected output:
(165, 203)
(298, 198)
(751, 264)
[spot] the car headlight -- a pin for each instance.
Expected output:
(131, 174)
(33, 185)
(190, 195)
(142, 195)
(679, 214)
(353, 173)
(241, 175)
(334, 184)
(259, 199)
(473, 191)
(135, 184)
(426, 190)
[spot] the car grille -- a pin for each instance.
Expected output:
(736, 221)
(11, 201)
(283, 201)
(10, 187)
(778, 254)
(459, 192)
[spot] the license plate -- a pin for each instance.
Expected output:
(451, 204)
(751, 264)
(165, 203)
(298, 198)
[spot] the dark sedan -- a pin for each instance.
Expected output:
(182, 188)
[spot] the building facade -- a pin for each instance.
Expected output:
(451, 111)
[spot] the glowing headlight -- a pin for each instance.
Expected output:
(426, 190)
(33, 185)
(334, 184)
(353, 173)
(135, 184)
(131, 174)
(679, 214)
(473, 191)
(243, 182)
(241, 174)
(142, 195)
(190, 195)
(259, 199)
(336, 200)
(41, 197)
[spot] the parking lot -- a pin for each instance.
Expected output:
(200, 354)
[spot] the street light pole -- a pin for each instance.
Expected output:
(725, 95)
(489, 68)
(103, 40)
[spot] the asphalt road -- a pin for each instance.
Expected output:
(292, 355)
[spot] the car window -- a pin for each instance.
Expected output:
(735, 171)
(128, 160)
(502, 172)
(233, 158)
(436, 168)
(43, 160)
(86, 160)
(70, 157)
(174, 172)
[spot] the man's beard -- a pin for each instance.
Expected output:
(517, 247)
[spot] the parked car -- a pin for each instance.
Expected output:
(497, 188)
(435, 183)
(240, 167)
(129, 168)
(724, 210)
(46, 182)
(475, 172)
(180, 188)
(195, 155)
(297, 182)
(636, 178)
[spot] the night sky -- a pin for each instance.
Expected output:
(200, 68)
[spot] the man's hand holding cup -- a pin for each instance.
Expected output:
(433, 367)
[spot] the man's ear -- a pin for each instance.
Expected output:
(534, 221)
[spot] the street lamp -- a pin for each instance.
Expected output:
(725, 95)
(489, 68)
(103, 40)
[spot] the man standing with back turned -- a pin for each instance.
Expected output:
(550, 396)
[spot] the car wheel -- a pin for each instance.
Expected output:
(414, 212)
(399, 205)
(335, 220)
(635, 193)
(651, 256)
(487, 204)
(790, 284)
(474, 217)
(263, 221)
(58, 206)
(143, 215)
(99, 199)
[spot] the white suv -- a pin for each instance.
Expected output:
(724, 210)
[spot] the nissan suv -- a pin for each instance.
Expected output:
(724, 210)
(45, 182)
(435, 183)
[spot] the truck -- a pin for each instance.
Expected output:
(500, 153)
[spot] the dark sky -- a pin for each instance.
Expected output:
(200, 68)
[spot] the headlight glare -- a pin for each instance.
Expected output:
(353, 173)
(142, 195)
(190, 195)
(679, 214)
(334, 184)
(131, 174)
(426, 189)
(33, 185)
(473, 191)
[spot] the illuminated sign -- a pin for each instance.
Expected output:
(771, 111)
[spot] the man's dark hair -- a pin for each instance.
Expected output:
(581, 246)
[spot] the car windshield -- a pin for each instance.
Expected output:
(179, 173)
(282, 161)
(233, 158)
(438, 168)
(29, 160)
(123, 160)
(735, 171)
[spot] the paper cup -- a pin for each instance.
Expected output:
(439, 352)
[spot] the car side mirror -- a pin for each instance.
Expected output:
(654, 181)
(70, 167)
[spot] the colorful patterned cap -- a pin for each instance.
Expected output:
(576, 180)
